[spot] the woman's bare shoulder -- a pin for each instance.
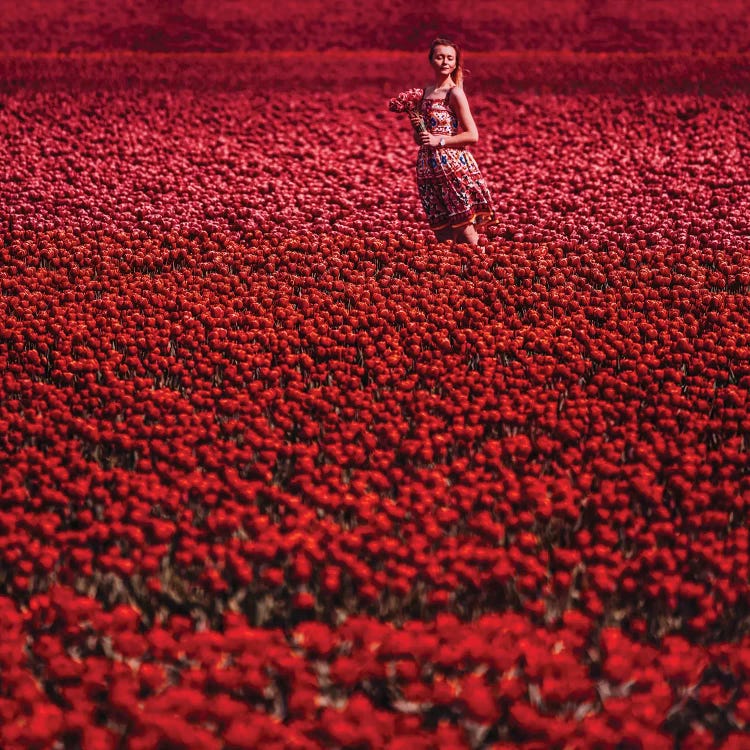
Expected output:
(457, 92)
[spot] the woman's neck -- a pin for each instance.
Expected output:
(444, 82)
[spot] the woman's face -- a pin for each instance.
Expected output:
(443, 60)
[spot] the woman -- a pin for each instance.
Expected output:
(451, 187)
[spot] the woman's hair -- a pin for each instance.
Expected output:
(458, 74)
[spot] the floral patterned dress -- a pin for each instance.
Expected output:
(451, 187)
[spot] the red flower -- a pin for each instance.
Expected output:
(479, 701)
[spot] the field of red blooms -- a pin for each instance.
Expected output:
(249, 25)
(279, 471)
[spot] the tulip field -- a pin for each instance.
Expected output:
(278, 470)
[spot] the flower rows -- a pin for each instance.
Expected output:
(304, 431)
(468, 417)
(653, 170)
(499, 680)
(281, 471)
(638, 26)
(373, 72)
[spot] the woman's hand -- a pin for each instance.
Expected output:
(416, 121)
(428, 139)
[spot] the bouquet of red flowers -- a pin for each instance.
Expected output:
(408, 101)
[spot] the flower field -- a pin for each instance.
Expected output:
(235, 25)
(279, 471)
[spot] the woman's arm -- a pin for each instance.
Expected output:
(469, 135)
